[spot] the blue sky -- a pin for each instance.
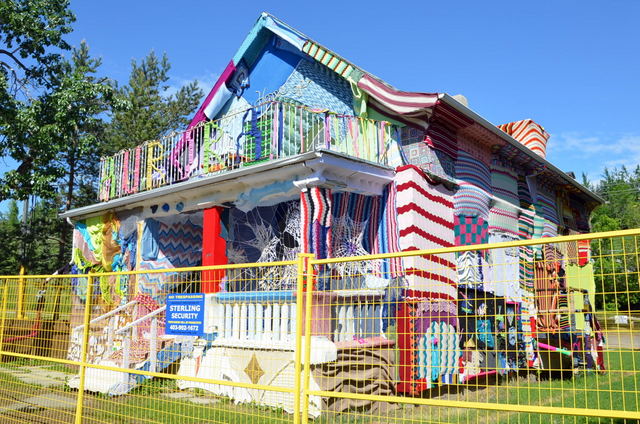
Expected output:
(572, 66)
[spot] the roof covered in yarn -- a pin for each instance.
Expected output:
(437, 113)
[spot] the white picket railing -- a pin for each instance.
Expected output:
(257, 319)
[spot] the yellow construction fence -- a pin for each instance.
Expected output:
(532, 331)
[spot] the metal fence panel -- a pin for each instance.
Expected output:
(528, 331)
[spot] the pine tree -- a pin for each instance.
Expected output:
(153, 111)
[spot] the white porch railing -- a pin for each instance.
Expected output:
(259, 319)
(358, 318)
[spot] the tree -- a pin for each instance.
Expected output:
(28, 29)
(616, 259)
(57, 134)
(78, 106)
(31, 42)
(11, 234)
(154, 112)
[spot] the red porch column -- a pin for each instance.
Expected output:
(214, 249)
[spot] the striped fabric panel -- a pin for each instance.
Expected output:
(525, 230)
(503, 216)
(529, 134)
(513, 154)
(474, 180)
(564, 319)
(443, 139)
(549, 229)
(584, 252)
(328, 58)
(547, 202)
(504, 183)
(388, 230)
(538, 223)
(526, 271)
(450, 116)
(524, 195)
(401, 102)
(526, 224)
(425, 221)
(316, 221)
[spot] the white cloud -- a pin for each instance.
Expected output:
(593, 153)
(583, 145)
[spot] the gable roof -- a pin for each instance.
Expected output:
(438, 113)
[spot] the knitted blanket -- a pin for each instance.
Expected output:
(474, 179)
(503, 215)
(316, 221)
(425, 221)
(529, 133)
(468, 231)
(504, 270)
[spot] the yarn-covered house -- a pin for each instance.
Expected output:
(296, 149)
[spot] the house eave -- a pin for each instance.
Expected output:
(332, 164)
(516, 144)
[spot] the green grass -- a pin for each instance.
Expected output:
(146, 404)
(25, 364)
(617, 389)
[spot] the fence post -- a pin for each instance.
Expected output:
(85, 342)
(20, 307)
(5, 295)
(309, 284)
(300, 271)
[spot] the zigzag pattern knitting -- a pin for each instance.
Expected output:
(425, 221)
(181, 243)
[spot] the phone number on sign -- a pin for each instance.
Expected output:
(183, 327)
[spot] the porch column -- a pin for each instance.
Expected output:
(315, 211)
(214, 249)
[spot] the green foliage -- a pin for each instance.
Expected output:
(58, 117)
(31, 42)
(30, 245)
(30, 33)
(11, 234)
(153, 111)
(55, 135)
(616, 260)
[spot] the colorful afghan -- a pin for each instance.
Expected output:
(470, 231)
(503, 215)
(316, 221)
(474, 179)
(504, 269)
(428, 343)
(169, 242)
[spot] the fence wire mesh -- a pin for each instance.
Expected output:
(528, 331)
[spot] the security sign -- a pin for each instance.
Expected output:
(185, 314)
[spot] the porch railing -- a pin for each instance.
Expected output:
(270, 131)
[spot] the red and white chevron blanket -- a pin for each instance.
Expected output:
(426, 221)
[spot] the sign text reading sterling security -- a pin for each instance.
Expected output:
(185, 314)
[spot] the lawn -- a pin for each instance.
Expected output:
(159, 401)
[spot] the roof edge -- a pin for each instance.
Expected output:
(512, 141)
